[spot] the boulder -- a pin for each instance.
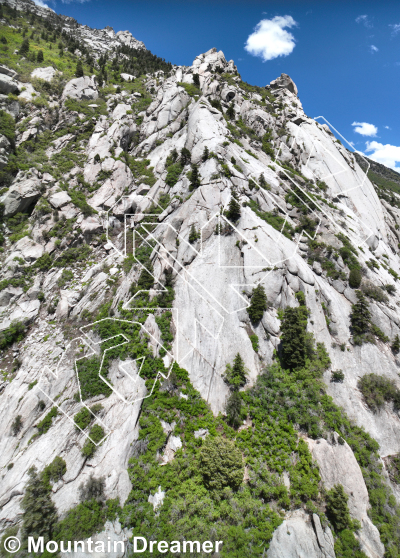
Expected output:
(127, 77)
(21, 196)
(29, 249)
(59, 199)
(47, 74)
(8, 85)
(8, 72)
(284, 82)
(81, 88)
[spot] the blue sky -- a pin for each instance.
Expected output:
(344, 55)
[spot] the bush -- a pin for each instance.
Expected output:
(221, 464)
(173, 173)
(378, 389)
(360, 316)
(93, 489)
(336, 508)
(374, 292)
(337, 376)
(83, 418)
(79, 69)
(96, 434)
(193, 235)
(90, 382)
(55, 471)
(12, 334)
(396, 344)
(44, 425)
(355, 278)
(194, 178)
(258, 304)
(16, 425)
(254, 342)
(44, 263)
(40, 56)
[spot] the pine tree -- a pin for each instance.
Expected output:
(258, 304)
(355, 278)
(234, 212)
(40, 56)
(205, 155)
(230, 113)
(396, 344)
(194, 178)
(233, 408)
(196, 80)
(185, 156)
(79, 69)
(40, 514)
(235, 375)
(337, 509)
(360, 315)
(24, 47)
(294, 338)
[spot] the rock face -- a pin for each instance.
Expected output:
(300, 537)
(338, 465)
(103, 189)
(81, 88)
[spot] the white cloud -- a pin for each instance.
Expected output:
(395, 28)
(41, 4)
(365, 129)
(386, 154)
(388, 127)
(364, 20)
(373, 48)
(270, 39)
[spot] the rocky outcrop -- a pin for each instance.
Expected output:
(81, 88)
(337, 465)
(299, 536)
(8, 84)
(47, 74)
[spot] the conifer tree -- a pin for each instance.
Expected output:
(234, 212)
(193, 235)
(40, 56)
(360, 315)
(233, 408)
(79, 69)
(205, 155)
(196, 80)
(194, 178)
(40, 514)
(294, 338)
(235, 375)
(258, 304)
(185, 156)
(24, 47)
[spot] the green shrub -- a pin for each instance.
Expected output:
(7, 126)
(66, 276)
(273, 218)
(83, 418)
(254, 342)
(355, 278)
(378, 389)
(360, 316)
(96, 434)
(173, 174)
(258, 304)
(55, 471)
(44, 425)
(44, 263)
(79, 199)
(396, 344)
(190, 89)
(90, 382)
(374, 292)
(194, 178)
(73, 255)
(193, 235)
(336, 508)
(337, 376)
(14, 333)
(221, 464)
(16, 425)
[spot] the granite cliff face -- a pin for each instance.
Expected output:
(152, 166)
